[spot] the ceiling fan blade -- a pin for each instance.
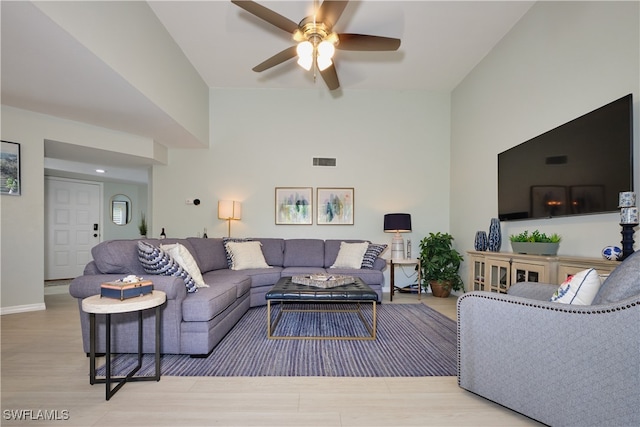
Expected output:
(366, 42)
(266, 14)
(276, 59)
(330, 77)
(330, 11)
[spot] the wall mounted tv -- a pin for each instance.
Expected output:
(575, 169)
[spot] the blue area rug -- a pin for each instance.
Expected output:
(413, 340)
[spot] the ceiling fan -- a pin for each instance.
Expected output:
(316, 41)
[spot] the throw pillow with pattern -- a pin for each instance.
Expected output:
(154, 260)
(228, 253)
(372, 253)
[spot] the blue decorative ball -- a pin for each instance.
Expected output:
(612, 253)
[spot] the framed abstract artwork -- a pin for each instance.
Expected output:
(335, 206)
(294, 206)
(10, 169)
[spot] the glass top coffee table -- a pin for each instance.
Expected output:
(289, 297)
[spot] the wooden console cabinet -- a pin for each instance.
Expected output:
(497, 271)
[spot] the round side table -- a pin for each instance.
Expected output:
(101, 305)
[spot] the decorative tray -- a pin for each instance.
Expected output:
(323, 280)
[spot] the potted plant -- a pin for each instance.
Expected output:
(536, 243)
(142, 226)
(439, 264)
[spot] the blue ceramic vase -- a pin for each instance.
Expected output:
(480, 243)
(495, 236)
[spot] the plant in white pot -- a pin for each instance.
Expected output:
(536, 243)
(439, 264)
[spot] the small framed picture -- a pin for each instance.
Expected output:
(10, 169)
(294, 205)
(335, 206)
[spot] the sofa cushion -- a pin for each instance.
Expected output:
(622, 283)
(372, 253)
(211, 301)
(350, 255)
(156, 261)
(118, 257)
(209, 253)
(579, 289)
(303, 253)
(183, 257)
(246, 255)
(273, 250)
(368, 276)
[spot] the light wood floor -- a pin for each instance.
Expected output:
(44, 368)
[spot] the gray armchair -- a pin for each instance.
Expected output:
(562, 365)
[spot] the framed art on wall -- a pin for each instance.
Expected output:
(10, 169)
(294, 206)
(335, 206)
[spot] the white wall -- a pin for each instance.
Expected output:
(391, 147)
(22, 218)
(562, 60)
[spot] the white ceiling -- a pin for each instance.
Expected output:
(46, 70)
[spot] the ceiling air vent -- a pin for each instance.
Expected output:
(324, 161)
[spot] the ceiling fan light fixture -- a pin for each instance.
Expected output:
(323, 62)
(305, 62)
(326, 49)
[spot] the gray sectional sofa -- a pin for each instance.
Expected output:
(194, 323)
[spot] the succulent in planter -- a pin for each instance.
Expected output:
(439, 264)
(535, 236)
(536, 243)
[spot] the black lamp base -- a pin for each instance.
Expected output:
(627, 240)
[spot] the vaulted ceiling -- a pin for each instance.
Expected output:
(46, 70)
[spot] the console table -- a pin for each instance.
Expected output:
(99, 305)
(497, 271)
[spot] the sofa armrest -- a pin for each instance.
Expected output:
(86, 286)
(559, 364)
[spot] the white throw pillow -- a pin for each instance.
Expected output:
(350, 255)
(246, 255)
(185, 260)
(579, 289)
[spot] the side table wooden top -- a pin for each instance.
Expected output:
(103, 305)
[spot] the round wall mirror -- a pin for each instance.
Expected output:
(120, 209)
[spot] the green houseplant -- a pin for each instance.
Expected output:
(439, 264)
(536, 243)
(142, 226)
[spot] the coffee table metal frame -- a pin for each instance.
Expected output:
(319, 301)
(107, 306)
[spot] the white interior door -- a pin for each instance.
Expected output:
(73, 226)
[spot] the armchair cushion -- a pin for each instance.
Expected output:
(579, 289)
(622, 283)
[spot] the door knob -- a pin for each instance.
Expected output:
(95, 234)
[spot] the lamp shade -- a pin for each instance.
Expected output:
(397, 223)
(229, 209)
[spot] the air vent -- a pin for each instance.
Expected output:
(557, 160)
(324, 161)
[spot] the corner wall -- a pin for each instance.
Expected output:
(22, 230)
(562, 60)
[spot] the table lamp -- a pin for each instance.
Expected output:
(397, 223)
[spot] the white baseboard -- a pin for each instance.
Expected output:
(22, 308)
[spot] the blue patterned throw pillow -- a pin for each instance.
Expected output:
(373, 252)
(156, 261)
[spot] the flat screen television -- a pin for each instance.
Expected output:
(577, 168)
